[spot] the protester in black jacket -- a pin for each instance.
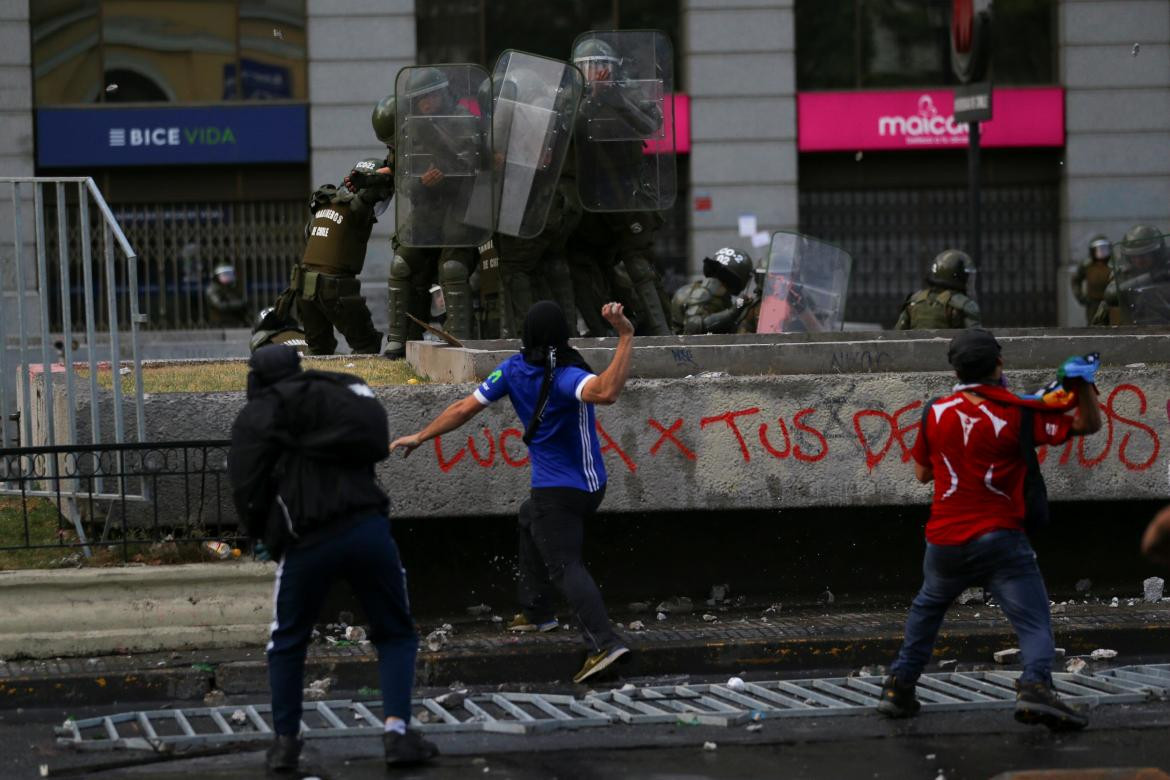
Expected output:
(302, 472)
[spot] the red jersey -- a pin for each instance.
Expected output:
(974, 452)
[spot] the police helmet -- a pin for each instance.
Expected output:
(596, 52)
(425, 81)
(951, 268)
(270, 319)
(1100, 248)
(225, 273)
(383, 119)
(1142, 246)
(321, 197)
(730, 266)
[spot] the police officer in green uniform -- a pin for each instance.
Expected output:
(225, 301)
(328, 293)
(711, 304)
(943, 303)
(1142, 275)
(414, 269)
(1091, 276)
(273, 328)
(629, 235)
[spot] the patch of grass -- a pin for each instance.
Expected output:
(230, 376)
(47, 526)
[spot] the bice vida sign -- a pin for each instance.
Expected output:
(915, 119)
(172, 135)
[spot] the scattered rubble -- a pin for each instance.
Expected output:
(773, 609)
(948, 663)
(754, 726)
(710, 746)
(677, 604)
(214, 698)
(239, 718)
(355, 633)
(875, 670)
(436, 639)
(709, 618)
(736, 683)
(452, 699)
(1102, 654)
(637, 625)
(318, 690)
(628, 688)
(1006, 656)
(1075, 666)
(1115, 602)
(661, 616)
(1152, 589)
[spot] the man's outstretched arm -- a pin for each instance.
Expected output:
(607, 386)
(451, 418)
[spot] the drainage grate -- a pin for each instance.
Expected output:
(527, 713)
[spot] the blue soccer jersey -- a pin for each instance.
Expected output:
(565, 451)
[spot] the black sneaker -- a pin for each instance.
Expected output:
(407, 749)
(898, 699)
(1037, 703)
(284, 753)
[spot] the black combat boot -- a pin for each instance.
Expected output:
(898, 699)
(284, 753)
(1037, 703)
(407, 749)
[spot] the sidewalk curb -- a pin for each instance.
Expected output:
(539, 662)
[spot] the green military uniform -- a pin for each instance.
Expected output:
(225, 301)
(1108, 311)
(328, 293)
(710, 305)
(942, 303)
(1092, 275)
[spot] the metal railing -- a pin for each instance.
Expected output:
(45, 305)
(117, 498)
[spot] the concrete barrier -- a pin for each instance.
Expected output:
(142, 608)
(776, 439)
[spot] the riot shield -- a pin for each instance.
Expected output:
(624, 131)
(806, 285)
(443, 176)
(1141, 271)
(532, 120)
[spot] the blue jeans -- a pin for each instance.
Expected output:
(365, 555)
(1004, 563)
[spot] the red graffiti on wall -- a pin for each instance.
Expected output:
(1125, 436)
(894, 431)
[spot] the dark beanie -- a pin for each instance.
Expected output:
(270, 364)
(974, 354)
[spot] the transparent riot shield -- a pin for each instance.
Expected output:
(804, 291)
(535, 102)
(624, 131)
(1141, 272)
(443, 177)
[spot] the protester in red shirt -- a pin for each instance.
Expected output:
(970, 447)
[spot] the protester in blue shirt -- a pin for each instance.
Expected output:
(553, 391)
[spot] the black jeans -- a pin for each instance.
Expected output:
(551, 535)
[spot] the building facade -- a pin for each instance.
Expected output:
(830, 117)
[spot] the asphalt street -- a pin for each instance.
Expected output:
(950, 745)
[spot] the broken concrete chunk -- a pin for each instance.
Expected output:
(1075, 666)
(661, 616)
(239, 718)
(677, 604)
(1152, 589)
(710, 746)
(1102, 654)
(709, 618)
(436, 639)
(736, 683)
(637, 625)
(1006, 656)
(214, 698)
(948, 663)
(355, 633)
(970, 595)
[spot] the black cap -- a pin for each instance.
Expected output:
(974, 353)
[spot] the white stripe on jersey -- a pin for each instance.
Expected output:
(587, 448)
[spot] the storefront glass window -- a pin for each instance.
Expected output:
(181, 51)
(857, 44)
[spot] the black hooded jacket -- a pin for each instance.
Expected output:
(303, 451)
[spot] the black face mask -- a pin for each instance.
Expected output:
(545, 342)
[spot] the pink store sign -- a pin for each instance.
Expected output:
(915, 119)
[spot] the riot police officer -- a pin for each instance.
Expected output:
(622, 235)
(274, 328)
(414, 268)
(944, 302)
(1091, 276)
(711, 305)
(1142, 274)
(328, 293)
(225, 301)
